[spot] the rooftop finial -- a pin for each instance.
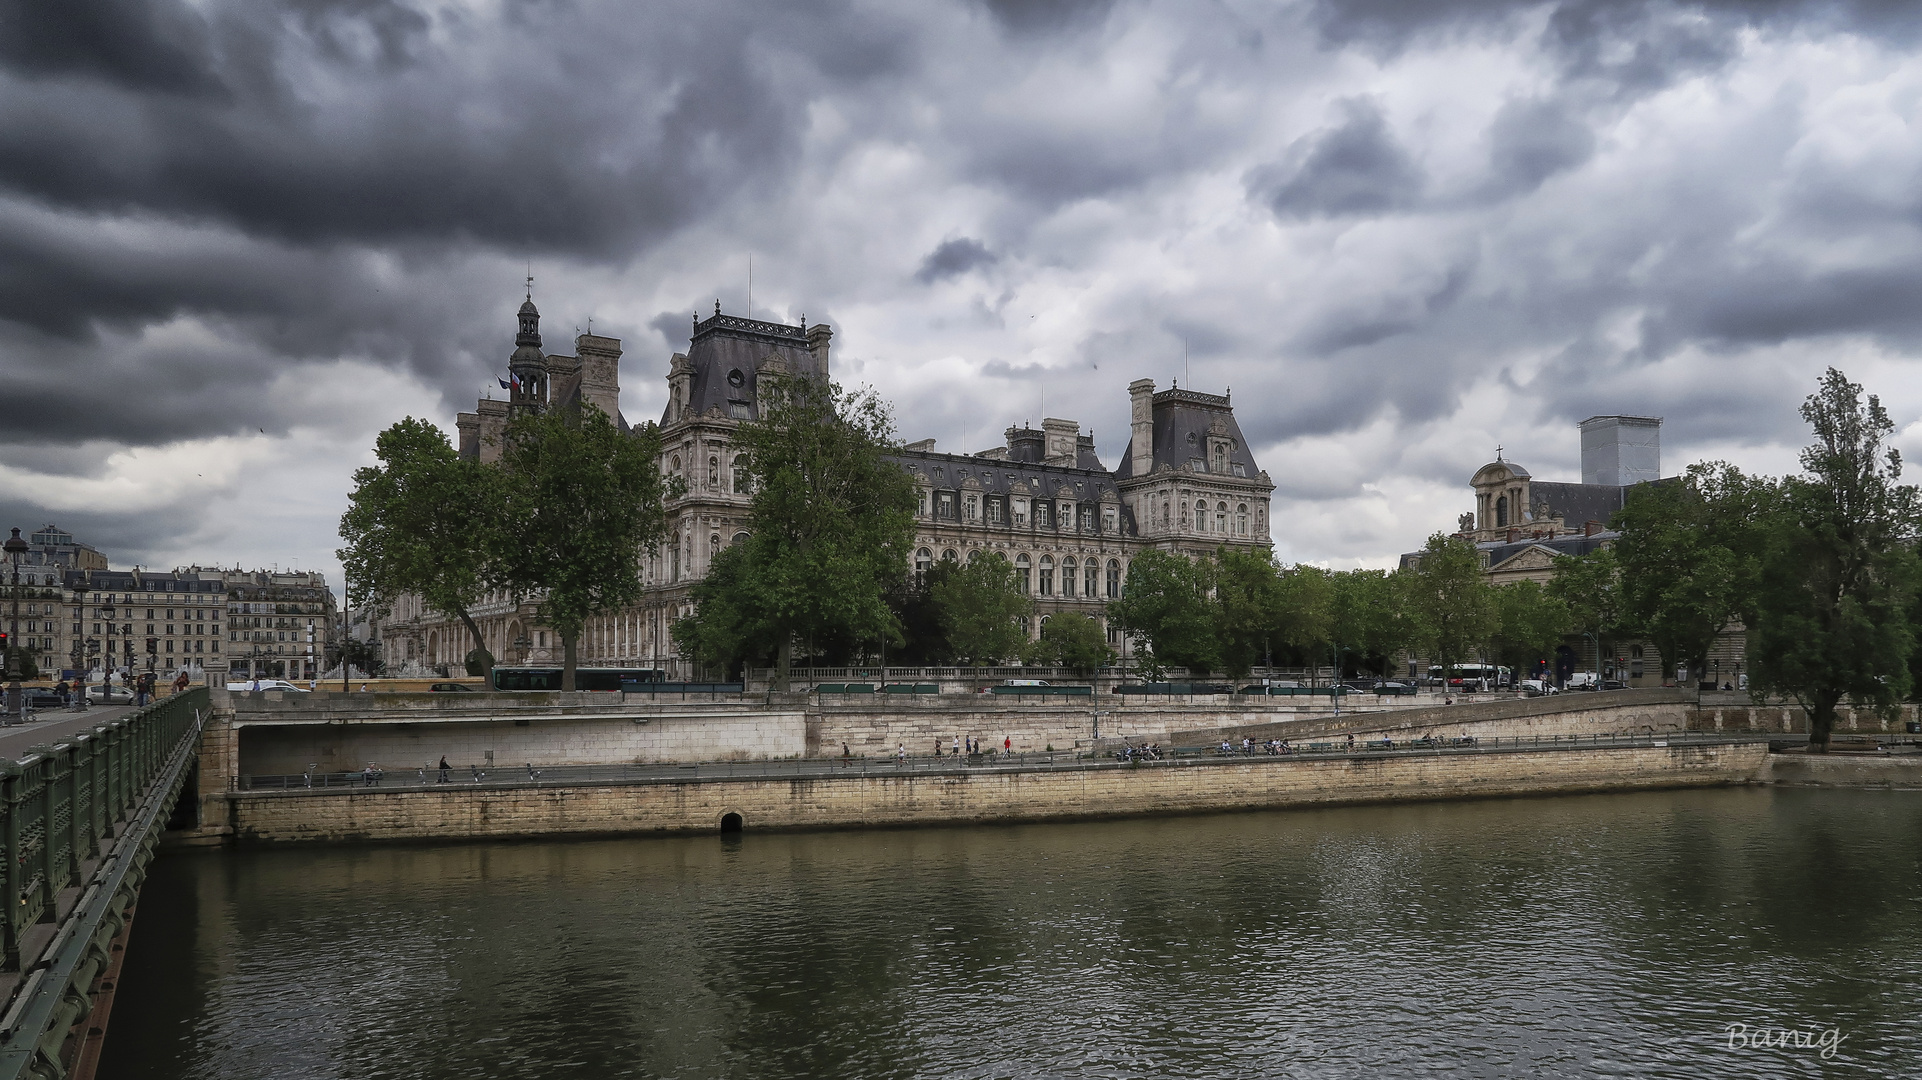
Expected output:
(717, 305)
(1498, 451)
(530, 279)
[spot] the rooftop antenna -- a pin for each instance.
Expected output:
(750, 284)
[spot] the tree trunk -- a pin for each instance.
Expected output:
(480, 645)
(1821, 723)
(570, 655)
(781, 662)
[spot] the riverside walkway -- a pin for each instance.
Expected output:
(417, 777)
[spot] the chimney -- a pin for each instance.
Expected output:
(1141, 406)
(1061, 435)
(818, 337)
(1513, 534)
(1590, 528)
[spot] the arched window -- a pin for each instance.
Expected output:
(740, 474)
(1067, 577)
(974, 556)
(950, 556)
(739, 538)
(1114, 579)
(923, 562)
(674, 465)
(1501, 512)
(1201, 517)
(674, 570)
(1044, 576)
(713, 472)
(971, 505)
(1241, 519)
(1091, 579)
(1221, 518)
(1221, 458)
(1021, 572)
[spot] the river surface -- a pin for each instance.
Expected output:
(1609, 935)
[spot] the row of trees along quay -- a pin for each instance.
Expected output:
(1820, 570)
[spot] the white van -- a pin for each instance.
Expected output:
(265, 684)
(1024, 682)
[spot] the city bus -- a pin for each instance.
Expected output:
(1474, 677)
(549, 678)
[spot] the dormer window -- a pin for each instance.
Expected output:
(738, 409)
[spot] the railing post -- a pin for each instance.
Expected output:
(15, 871)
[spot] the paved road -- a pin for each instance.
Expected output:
(49, 725)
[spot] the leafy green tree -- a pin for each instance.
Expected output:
(583, 505)
(830, 526)
(1589, 586)
(1075, 641)
(1838, 567)
(1365, 617)
(1166, 605)
(1530, 622)
(1305, 612)
(1687, 566)
(727, 629)
(1248, 598)
(979, 606)
(419, 522)
(1451, 606)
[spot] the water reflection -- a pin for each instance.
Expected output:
(1612, 934)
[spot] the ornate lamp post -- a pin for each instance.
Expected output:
(15, 547)
(106, 648)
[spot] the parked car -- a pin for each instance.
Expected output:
(1614, 684)
(116, 695)
(1538, 687)
(42, 697)
(453, 688)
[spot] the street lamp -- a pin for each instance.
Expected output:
(15, 547)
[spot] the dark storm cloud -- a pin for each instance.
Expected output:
(1354, 167)
(130, 43)
(952, 257)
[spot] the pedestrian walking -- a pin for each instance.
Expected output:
(532, 773)
(1007, 744)
(477, 773)
(957, 746)
(937, 746)
(443, 768)
(901, 753)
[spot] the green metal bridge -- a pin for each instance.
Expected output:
(79, 820)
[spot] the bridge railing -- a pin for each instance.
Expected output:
(114, 781)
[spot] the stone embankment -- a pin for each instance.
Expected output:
(977, 795)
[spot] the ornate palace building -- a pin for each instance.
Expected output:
(1187, 482)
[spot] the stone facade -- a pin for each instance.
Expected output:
(1187, 481)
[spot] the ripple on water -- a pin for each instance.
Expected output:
(1599, 936)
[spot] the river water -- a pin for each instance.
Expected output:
(1608, 935)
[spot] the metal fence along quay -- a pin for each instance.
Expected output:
(81, 819)
(389, 776)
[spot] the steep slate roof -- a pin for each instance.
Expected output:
(949, 472)
(1578, 503)
(1500, 552)
(728, 343)
(1184, 415)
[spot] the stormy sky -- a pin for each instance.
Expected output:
(238, 239)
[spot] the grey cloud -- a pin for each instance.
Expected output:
(1531, 141)
(1355, 167)
(142, 46)
(954, 257)
(1043, 16)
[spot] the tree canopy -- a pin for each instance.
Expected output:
(830, 525)
(1167, 606)
(1838, 567)
(1450, 606)
(980, 607)
(418, 523)
(582, 506)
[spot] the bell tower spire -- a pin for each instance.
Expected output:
(529, 364)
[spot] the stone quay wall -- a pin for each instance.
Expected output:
(1733, 712)
(987, 795)
(1616, 712)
